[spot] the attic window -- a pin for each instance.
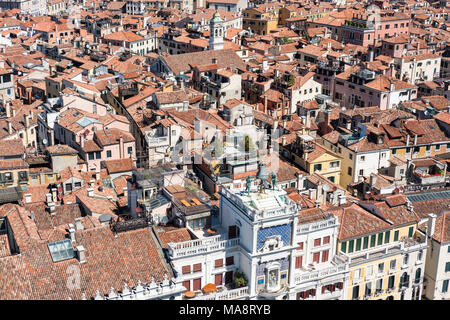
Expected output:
(61, 250)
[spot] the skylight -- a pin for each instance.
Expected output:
(61, 250)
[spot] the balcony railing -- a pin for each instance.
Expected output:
(201, 246)
(157, 141)
(313, 275)
(233, 294)
(315, 226)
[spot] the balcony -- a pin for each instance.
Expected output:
(310, 273)
(233, 294)
(200, 246)
(154, 142)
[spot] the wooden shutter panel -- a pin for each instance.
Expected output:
(218, 279)
(186, 269)
(187, 285)
(197, 267)
(218, 263)
(197, 284)
(298, 262)
(324, 288)
(325, 256)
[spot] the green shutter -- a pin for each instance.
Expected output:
(373, 239)
(366, 243)
(344, 247)
(387, 236)
(410, 232)
(358, 244)
(350, 246)
(380, 239)
(396, 235)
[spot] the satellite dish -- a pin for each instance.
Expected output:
(45, 141)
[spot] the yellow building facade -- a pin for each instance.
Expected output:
(376, 263)
(260, 21)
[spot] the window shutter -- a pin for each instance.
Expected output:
(323, 289)
(186, 269)
(218, 279)
(197, 267)
(218, 263)
(313, 292)
(325, 256)
(316, 257)
(326, 240)
(298, 262)
(317, 242)
(298, 295)
(187, 285)
(229, 261)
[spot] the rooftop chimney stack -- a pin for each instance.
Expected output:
(431, 225)
(27, 197)
(90, 192)
(49, 198)
(52, 208)
(72, 232)
(10, 129)
(78, 224)
(81, 254)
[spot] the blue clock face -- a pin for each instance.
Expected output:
(284, 231)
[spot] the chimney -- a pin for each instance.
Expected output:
(81, 254)
(97, 172)
(300, 181)
(90, 192)
(10, 129)
(31, 114)
(283, 140)
(52, 208)
(372, 180)
(54, 194)
(431, 225)
(121, 146)
(327, 116)
(265, 104)
(275, 124)
(8, 109)
(125, 191)
(13, 112)
(92, 183)
(27, 197)
(342, 199)
(308, 119)
(415, 139)
(391, 68)
(26, 121)
(78, 224)
(49, 198)
(72, 232)
(407, 140)
(391, 86)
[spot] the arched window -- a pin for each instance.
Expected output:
(418, 274)
(215, 32)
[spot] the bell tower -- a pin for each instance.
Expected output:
(216, 32)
